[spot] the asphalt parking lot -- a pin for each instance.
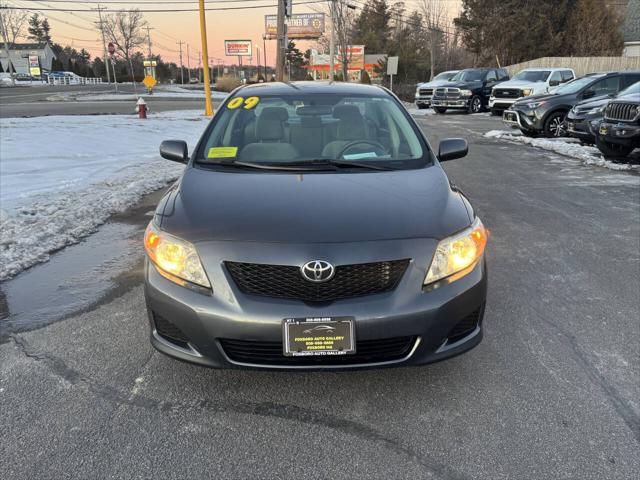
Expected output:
(551, 392)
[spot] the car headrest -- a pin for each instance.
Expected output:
(351, 125)
(269, 125)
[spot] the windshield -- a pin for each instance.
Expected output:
(631, 90)
(468, 76)
(533, 75)
(575, 85)
(295, 128)
(444, 76)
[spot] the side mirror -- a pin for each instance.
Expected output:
(588, 94)
(554, 83)
(175, 150)
(452, 148)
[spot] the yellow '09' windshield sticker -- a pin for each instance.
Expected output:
(222, 152)
(247, 103)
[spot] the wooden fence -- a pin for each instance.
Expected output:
(581, 65)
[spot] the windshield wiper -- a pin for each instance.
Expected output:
(344, 163)
(268, 166)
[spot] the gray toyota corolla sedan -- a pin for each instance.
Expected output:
(314, 228)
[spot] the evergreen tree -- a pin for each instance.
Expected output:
(372, 26)
(39, 29)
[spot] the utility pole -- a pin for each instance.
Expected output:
(104, 44)
(332, 41)
(149, 39)
(264, 54)
(433, 50)
(280, 42)
(208, 109)
(181, 67)
(188, 64)
(6, 48)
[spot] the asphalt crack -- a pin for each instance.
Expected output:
(264, 409)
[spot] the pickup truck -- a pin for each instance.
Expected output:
(619, 132)
(527, 82)
(424, 91)
(468, 90)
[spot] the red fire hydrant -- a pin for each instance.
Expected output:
(141, 108)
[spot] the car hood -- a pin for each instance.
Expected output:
(475, 84)
(521, 84)
(592, 103)
(435, 83)
(312, 208)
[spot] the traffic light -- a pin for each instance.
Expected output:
(288, 8)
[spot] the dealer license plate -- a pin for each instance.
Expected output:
(510, 116)
(318, 336)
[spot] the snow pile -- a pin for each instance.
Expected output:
(61, 177)
(569, 147)
(417, 112)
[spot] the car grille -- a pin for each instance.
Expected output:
(507, 93)
(621, 111)
(447, 92)
(285, 281)
(271, 353)
(426, 91)
(464, 327)
(169, 331)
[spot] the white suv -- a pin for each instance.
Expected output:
(527, 82)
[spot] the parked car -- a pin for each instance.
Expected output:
(245, 260)
(527, 82)
(545, 114)
(424, 91)
(468, 90)
(619, 132)
(581, 119)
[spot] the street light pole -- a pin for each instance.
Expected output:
(208, 108)
(332, 42)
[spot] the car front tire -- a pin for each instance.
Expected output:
(440, 110)
(553, 125)
(475, 104)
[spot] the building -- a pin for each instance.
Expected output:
(19, 54)
(359, 61)
(631, 29)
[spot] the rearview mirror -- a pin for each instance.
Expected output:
(554, 83)
(452, 148)
(175, 150)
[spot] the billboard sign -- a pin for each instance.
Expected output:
(238, 48)
(300, 26)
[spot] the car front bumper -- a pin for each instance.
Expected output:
(451, 103)
(524, 120)
(579, 127)
(208, 321)
(501, 103)
(627, 134)
(423, 100)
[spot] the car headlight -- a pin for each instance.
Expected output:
(533, 105)
(456, 254)
(465, 93)
(596, 110)
(175, 259)
(527, 91)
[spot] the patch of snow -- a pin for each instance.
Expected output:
(569, 147)
(62, 176)
(415, 111)
(165, 92)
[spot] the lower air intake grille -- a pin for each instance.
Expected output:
(464, 327)
(270, 353)
(285, 281)
(169, 331)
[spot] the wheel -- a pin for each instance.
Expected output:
(475, 104)
(495, 113)
(440, 109)
(422, 107)
(553, 125)
(612, 150)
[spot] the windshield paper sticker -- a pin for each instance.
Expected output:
(222, 152)
(248, 103)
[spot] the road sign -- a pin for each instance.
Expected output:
(149, 82)
(111, 48)
(392, 66)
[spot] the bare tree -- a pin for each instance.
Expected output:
(344, 16)
(434, 14)
(124, 29)
(13, 22)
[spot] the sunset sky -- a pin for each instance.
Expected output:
(77, 28)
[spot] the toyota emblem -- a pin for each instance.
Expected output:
(317, 271)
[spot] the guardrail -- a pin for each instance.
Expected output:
(57, 80)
